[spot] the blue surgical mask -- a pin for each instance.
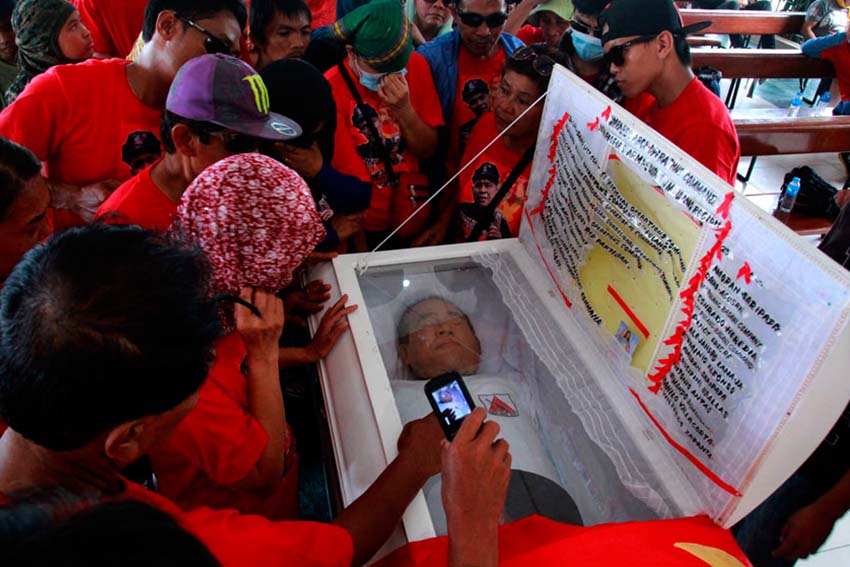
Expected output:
(587, 47)
(372, 80)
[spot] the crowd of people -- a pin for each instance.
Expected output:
(168, 168)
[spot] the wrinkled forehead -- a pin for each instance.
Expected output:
(430, 312)
(481, 6)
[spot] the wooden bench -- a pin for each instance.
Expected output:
(782, 135)
(793, 135)
(746, 22)
(762, 63)
(738, 64)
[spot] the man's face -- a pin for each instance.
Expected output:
(553, 27)
(440, 340)
(431, 13)
(286, 37)
(640, 64)
(480, 103)
(220, 147)
(24, 225)
(143, 161)
(190, 43)
(8, 49)
(480, 40)
(483, 191)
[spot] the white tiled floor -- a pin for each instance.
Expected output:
(767, 177)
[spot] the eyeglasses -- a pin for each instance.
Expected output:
(212, 43)
(471, 19)
(617, 54)
(541, 63)
(237, 143)
(581, 27)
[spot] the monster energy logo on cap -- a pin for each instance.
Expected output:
(261, 93)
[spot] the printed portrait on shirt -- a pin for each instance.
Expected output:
(140, 150)
(485, 185)
(476, 96)
(385, 124)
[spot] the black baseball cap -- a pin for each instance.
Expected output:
(487, 171)
(626, 18)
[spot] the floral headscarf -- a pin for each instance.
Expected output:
(256, 221)
(37, 24)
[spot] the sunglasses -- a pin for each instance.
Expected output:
(542, 64)
(617, 55)
(581, 27)
(237, 143)
(212, 43)
(471, 19)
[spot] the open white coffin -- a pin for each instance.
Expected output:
(676, 350)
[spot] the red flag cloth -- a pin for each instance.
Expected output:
(686, 542)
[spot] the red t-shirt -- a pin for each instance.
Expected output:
(840, 58)
(114, 25)
(82, 120)
(476, 79)
(534, 540)
(217, 444)
(530, 34)
(139, 201)
(355, 155)
(323, 11)
(699, 123)
(475, 195)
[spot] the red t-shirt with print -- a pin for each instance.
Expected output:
(475, 195)
(218, 443)
(356, 155)
(476, 79)
(82, 121)
(139, 201)
(114, 25)
(699, 123)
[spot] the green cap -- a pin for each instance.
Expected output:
(561, 8)
(379, 33)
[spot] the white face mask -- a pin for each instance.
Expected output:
(369, 80)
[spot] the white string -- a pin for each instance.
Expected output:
(363, 264)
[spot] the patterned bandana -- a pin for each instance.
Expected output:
(256, 221)
(379, 33)
(37, 24)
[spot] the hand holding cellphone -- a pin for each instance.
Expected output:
(450, 401)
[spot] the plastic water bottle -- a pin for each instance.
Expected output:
(823, 104)
(796, 104)
(790, 195)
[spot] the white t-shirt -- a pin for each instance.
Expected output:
(507, 404)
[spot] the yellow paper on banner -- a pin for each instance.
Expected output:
(649, 283)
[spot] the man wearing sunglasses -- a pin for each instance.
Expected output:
(475, 51)
(648, 55)
(77, 118)
(212, 112)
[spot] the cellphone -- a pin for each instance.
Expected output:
(450, 401)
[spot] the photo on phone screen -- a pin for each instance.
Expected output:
(450, 400)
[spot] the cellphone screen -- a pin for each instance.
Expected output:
(451, 404)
